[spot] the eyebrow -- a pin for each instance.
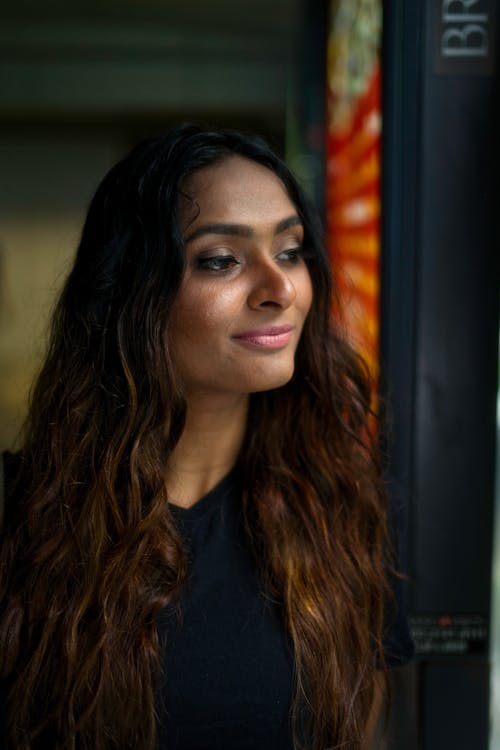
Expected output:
(241, 230)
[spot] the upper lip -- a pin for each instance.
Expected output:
(266, 331)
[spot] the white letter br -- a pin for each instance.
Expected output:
(464, 38)
(470, 40)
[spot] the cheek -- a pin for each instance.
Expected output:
(305, 294)
(201, 312)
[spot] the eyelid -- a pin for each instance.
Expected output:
(213, 250)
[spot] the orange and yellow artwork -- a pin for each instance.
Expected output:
(353, 166)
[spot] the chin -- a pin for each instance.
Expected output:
(270, 383)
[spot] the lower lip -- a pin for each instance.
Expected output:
(278, 341)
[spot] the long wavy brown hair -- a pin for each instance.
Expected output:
(90, 552)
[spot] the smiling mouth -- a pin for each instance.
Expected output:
(270, 337)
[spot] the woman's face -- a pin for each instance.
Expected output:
(246, 292)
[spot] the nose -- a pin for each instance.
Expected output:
(271, 287)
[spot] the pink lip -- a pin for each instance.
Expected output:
(268, 337)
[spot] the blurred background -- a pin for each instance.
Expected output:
(387, 112)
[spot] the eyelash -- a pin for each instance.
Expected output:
(224, 262)
(293, 254)
(221, 263)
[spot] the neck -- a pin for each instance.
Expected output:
(208, 447)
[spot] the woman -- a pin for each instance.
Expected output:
(195, 548)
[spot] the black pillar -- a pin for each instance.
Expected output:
(440, 272)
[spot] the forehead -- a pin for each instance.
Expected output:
(235, 189)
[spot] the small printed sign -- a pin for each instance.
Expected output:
(449, 635)
(465, 37)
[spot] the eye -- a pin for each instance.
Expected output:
(292, 255)
(216, 263)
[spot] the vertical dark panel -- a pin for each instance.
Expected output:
(401, 95)
(439, 343)
(305, 120)
(457, 331)
(454, 706)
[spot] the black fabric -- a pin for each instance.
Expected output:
(228, 663)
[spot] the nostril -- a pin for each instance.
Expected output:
(269, 303)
